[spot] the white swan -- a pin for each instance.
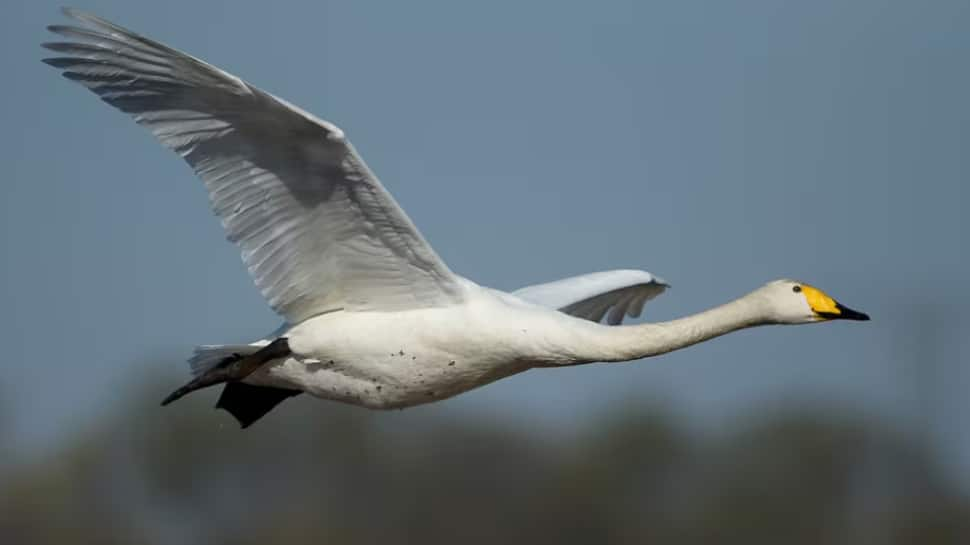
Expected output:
(373, 316)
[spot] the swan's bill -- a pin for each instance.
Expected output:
(827, 308)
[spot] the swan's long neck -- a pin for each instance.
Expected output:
(621, 343)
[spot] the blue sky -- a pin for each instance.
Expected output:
(717, 144)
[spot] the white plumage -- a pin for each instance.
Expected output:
(373, 316)
(317, 229)
(592, 295)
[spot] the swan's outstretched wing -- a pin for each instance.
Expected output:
(317, 229)
(591, 296)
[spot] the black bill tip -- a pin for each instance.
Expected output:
(846, 313)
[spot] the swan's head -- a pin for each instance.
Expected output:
(793, 302)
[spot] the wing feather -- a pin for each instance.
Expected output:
(609, 294)
(316, 229)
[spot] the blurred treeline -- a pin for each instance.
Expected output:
(317, 472)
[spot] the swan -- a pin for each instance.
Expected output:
(372, 316)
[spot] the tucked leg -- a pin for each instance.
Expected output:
(233, 369)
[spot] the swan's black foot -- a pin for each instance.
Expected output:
(248, 403)
(232, 369)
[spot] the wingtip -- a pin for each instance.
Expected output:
(68, 31)
(83, 17)
(73, 13)
(57, 29)
(57, 62)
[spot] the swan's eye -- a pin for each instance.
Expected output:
(796, 289)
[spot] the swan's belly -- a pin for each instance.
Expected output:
(400, 359)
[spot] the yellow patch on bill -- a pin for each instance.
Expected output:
(820, 302)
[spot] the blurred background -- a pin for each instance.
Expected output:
(717, 144)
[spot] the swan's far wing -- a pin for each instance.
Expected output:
(591, 296)
(317, 229)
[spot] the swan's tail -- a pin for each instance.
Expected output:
(224, 363)
(208, 357)
(230, 364)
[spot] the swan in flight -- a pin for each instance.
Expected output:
(372, 316)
